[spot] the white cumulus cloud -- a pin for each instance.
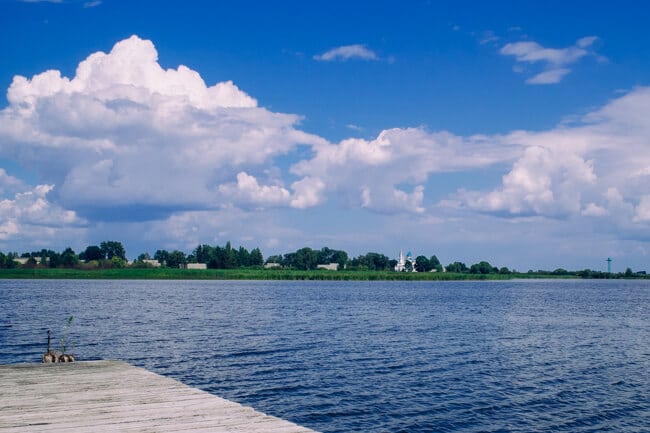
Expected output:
(642, 211)
(598, 167)
(9, 184)
(543, 181)
(373, 174)
(125, 132)
(32, 207)
(127, 139)
(30, 216)
(247, 190)
(594, 210)
(308, 192)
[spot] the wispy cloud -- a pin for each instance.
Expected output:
(86, 4)
(347, 52)
(554, 60)
(487, 37)
(354, 127)
(549, 77)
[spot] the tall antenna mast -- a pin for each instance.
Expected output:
(609, 265)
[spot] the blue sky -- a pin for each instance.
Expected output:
(509, 131)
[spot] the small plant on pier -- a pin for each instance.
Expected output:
(49, 356)
(66, 357)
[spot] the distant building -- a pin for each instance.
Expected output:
(401, 262)
(197, 266)
(272, 265)
(25, 260)
(329, 267)
(153, 263)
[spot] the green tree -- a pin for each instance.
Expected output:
(7, 261)
(55, 259)
(112, 249)
(324, 256)
(340, 257)
(243, 257)
(288, 260)
(117, 262)
(144, 256)
(229, 257)
(69, 258)
(256, 258)
(92, 252)
(457, 267)
(162, 256)
(328, 255)
(176, 259)
(305, 258)
(217, 258)
(203, 254)
(276, 258)
(482, 267)
(435, 263)
(374, 261)
(370, 261)
(422, 264)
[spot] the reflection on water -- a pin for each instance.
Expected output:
(568, 356)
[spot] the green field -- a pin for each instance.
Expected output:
(248, 274)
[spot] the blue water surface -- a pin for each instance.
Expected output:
(516, 356)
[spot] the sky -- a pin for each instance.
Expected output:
(507, 131)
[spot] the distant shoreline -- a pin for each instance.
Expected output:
(263, 274)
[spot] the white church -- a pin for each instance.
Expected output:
(401, 262)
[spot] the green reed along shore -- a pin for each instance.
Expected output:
(250, 274)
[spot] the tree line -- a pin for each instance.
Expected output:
(112, 254)
(215, 257)
(108, 253)
(308, 259)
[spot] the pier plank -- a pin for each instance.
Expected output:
(111, 396)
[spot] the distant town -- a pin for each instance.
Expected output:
(112, 255)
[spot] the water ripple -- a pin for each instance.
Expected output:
(561, 356)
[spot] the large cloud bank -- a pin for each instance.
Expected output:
(596, 168)
(125, 137)
(126, 132)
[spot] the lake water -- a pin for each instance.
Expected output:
(520, 356)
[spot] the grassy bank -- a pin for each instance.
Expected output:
(248, 274)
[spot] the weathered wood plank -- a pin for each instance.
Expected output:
(110, 396)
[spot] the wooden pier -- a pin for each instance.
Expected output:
(113, 396)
